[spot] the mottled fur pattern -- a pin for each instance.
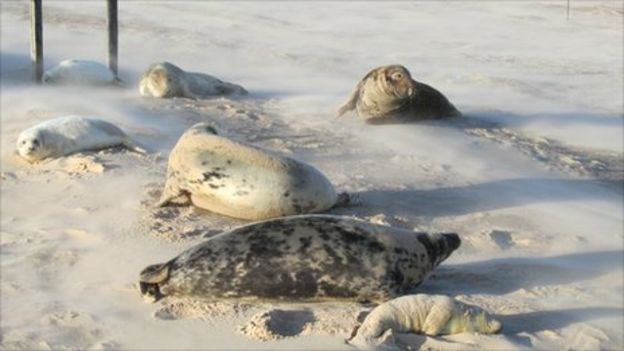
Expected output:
(242, 181)
(166, 80)
(67, 135)
(388, 93)
(423, 314)
(302, 258)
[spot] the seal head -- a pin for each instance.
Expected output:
(30, 145)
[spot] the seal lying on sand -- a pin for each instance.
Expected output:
(389, 94)
(166, 80)
(67, 135)
(426, 314)
(303, 258)
(239, 180)
(82, 72)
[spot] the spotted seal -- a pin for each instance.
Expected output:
(70, 134)
(242, 181)
(424, 314)
(303, 258)
(166, 80)
(388, 93)
(81, 72)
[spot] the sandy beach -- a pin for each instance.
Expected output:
(531, 179)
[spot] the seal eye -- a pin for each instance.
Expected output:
(397, 76)
(36, 142)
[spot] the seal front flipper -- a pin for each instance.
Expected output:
(172, 195)
(351, 102)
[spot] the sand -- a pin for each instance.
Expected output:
(531, 180)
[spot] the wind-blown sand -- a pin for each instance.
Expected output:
(531, 180)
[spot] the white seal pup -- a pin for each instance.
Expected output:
(166, 80)
(388, 93)
(80, 72)
(422, 314)
(242, 181)
(302, 258)
(67, 135)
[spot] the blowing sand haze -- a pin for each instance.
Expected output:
(529, 177)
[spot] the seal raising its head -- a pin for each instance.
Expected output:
(67, 135)
(388, 93)
(303, 258)
(82, 72)
(166, 80)
(426, 314)
(242, 181)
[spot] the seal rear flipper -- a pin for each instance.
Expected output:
(135, 147)
(151, 278)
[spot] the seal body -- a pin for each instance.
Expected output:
(423, 314)
(388, 93)
(67, 135)
(82, 72)
(166, 80)
(303, 258)
(242, 181)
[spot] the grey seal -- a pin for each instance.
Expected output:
(166, 80)
(70, 134)
(388, 94)
(422, 314)
(239, 180)
(302, 258)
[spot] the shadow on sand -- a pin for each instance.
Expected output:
(505, 275)
(476, 197)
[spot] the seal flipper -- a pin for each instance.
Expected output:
(438, 317)
(351, 102)
(133, 146)
(173, 195)
(150, 279)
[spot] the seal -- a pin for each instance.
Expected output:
(388, 94)
(302, 258)
(425, 314)
(166, 80)
(80, 72)
(67, 135)
(242, 181)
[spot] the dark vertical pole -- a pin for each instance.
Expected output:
(568, 10)
(36, 40)
(112, 35)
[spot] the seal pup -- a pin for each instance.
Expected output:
(388, 94)
(302, 258)
(166, 80)
(81, 72)
(423, 314)
(242, 181)
(67, 135)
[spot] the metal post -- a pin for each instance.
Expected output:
(36, 40)
(568, 10)
(112, 35)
